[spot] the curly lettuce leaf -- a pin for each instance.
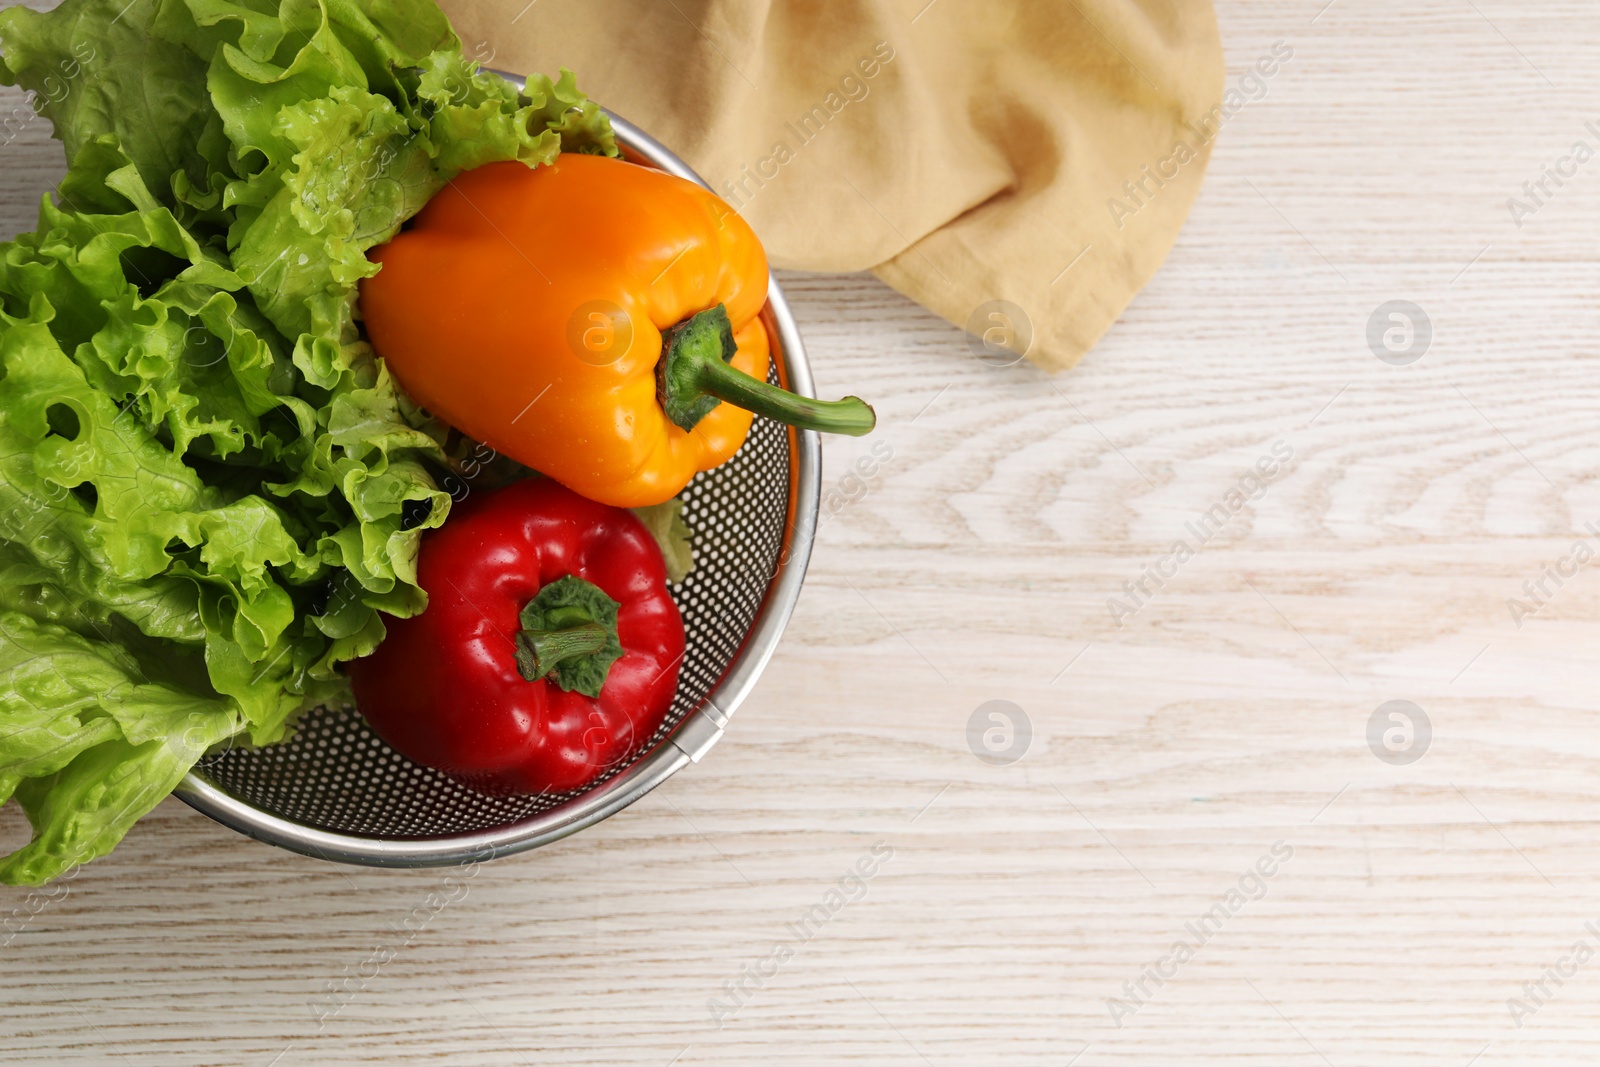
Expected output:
(665, 523)
(96, 74)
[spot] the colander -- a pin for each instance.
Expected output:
(338, 792)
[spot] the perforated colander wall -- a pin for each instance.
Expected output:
(335, 774)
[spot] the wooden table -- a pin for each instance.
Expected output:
(1014, 910)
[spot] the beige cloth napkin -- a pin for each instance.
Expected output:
(1039, 153)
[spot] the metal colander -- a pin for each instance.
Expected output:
(337, 791)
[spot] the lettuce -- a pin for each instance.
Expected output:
(210, 487)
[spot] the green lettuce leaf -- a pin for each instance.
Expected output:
(211, 490)
(95, 74)
(666, 524)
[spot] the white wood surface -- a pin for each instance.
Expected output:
(1230, 714)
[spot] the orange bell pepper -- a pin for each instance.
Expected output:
(595, 320)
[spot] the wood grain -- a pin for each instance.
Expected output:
(1168, 754)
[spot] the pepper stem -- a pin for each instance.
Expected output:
(544, 650)
(693, 377)
(569, 635)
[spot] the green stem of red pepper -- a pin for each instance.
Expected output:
(694, 376)
(540, 651)
(569, 634)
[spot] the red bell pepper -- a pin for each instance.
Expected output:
(549, 650)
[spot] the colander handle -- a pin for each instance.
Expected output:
(699, 732)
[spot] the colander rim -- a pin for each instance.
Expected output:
(694, 736)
